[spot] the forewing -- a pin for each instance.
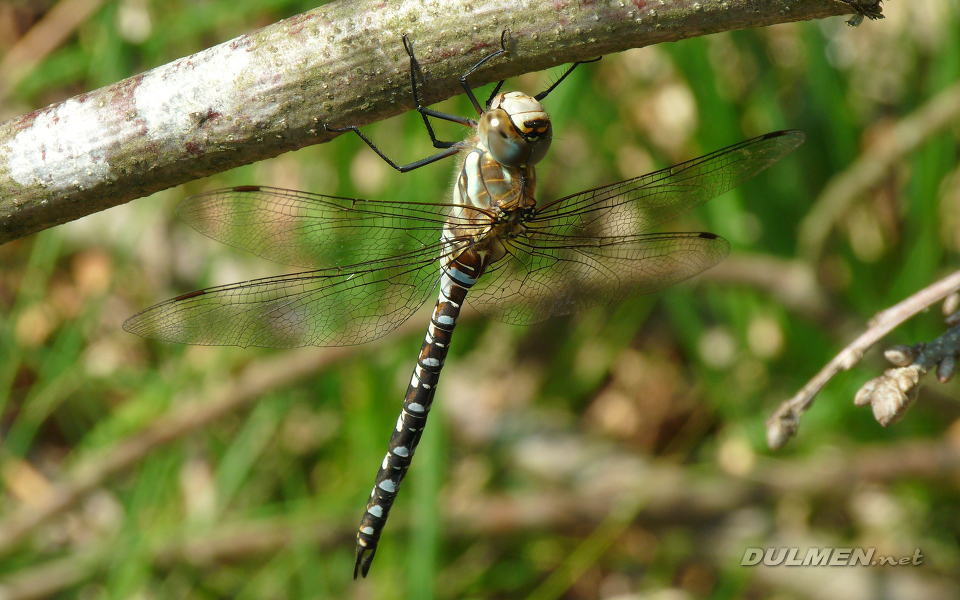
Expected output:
(633, 206)
(565, 275)
(327, 307)
(312, 230)
(589, 248)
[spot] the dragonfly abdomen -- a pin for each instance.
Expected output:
(454, 284)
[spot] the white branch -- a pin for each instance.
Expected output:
(271, 91)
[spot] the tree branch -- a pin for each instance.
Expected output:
(271, 91)
(783, 424)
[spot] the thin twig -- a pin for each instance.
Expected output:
(793, 282)
(52, 577)
(273, 90)
(783, 424)
(43, 38)
(891, 394)
(873, 165)
(255, 381)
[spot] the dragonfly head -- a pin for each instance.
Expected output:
(516, 130)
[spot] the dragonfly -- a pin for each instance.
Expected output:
(370, 264)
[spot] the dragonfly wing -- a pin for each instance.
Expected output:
(539, 279)
(590, 248)
(635, 205)
(312, 230)
(327, 307)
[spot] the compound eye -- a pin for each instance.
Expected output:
(539, 147)
(502, 140)
(507, 150)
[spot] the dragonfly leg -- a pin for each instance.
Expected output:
(450, 151)
(544, 93)
(447, 148)
(466, 85)
(428, 112)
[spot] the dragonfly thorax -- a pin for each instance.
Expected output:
(515, 130)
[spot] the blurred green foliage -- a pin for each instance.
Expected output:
(670, 390)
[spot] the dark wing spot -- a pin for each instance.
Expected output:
(189, 295)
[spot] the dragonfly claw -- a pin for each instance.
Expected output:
(337, 129)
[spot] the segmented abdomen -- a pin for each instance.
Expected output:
(455, 281)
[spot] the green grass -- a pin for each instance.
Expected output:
(653, 406)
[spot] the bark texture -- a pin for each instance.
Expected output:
(271, 91)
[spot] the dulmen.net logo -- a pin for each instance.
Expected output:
(825, 557)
